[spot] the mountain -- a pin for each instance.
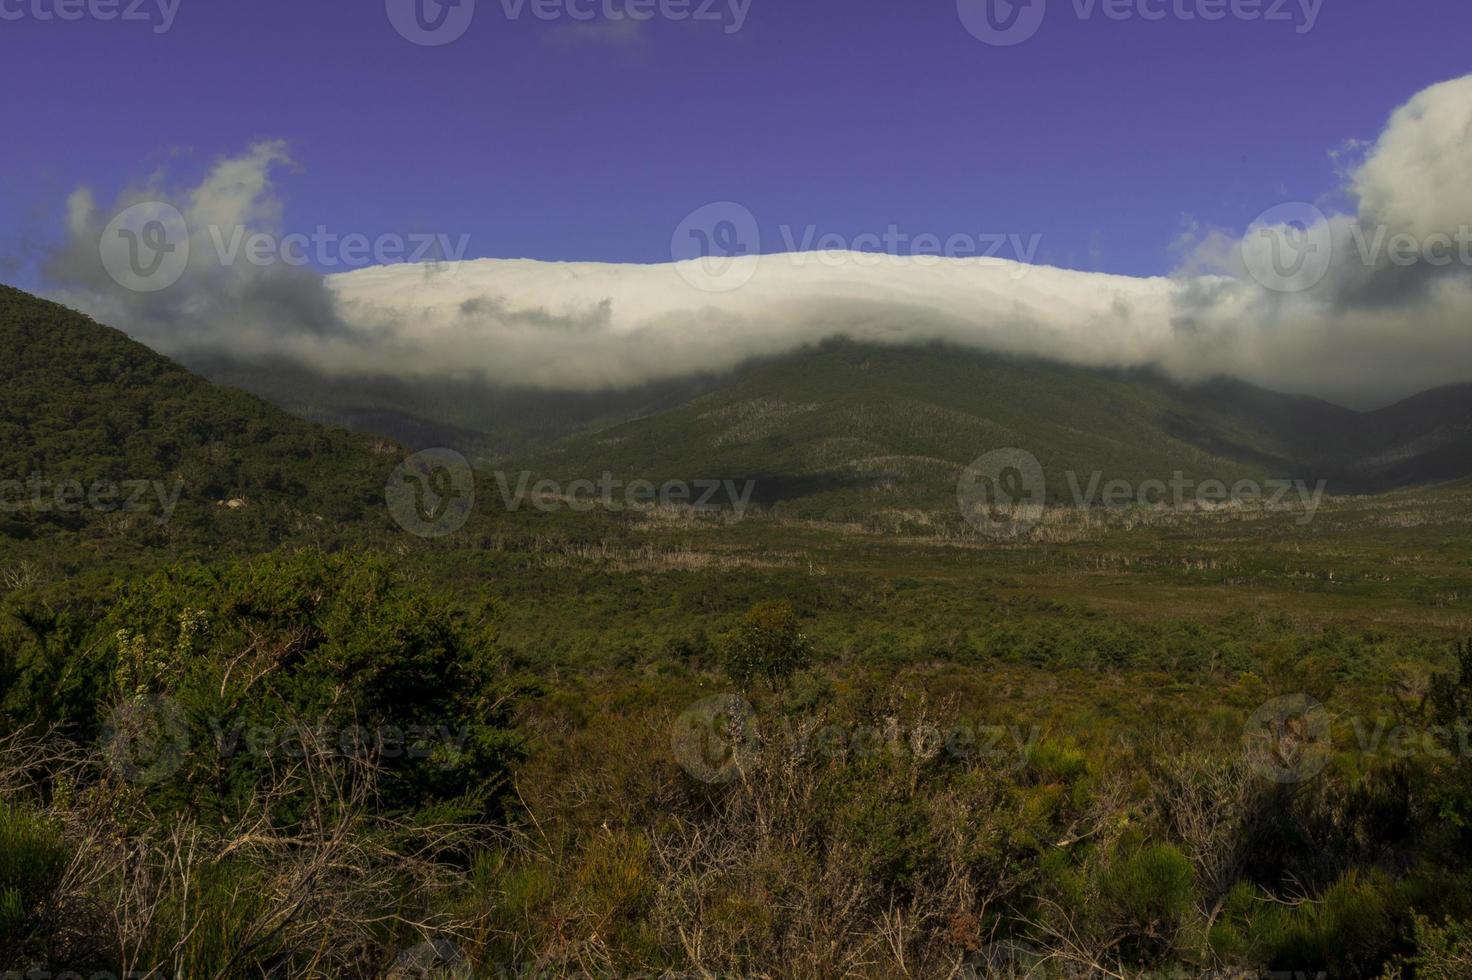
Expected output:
(102, 438)
(843, 428)
(838, 430)
(481, 420)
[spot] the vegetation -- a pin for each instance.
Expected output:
(768, 646)
(155, 454)
(846, 431)
(655, 743)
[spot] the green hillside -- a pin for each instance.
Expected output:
(481, 420)
(845, 428)
(101, 439)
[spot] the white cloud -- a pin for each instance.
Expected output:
(1366, 328)
(1384, 305)
(1418, 177)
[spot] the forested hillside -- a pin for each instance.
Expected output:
(97, 430)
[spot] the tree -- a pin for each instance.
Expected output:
(768, 645)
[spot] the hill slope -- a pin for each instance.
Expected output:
(846, 427)
(479, 419)
(82, 403)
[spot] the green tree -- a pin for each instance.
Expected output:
(769, 645)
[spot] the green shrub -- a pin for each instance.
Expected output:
(1442, 953)
(1058, 761)
(255, 660)
(1349, 930)
(1152, 891)
(33, 858)
(769, 645)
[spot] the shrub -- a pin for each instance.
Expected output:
(1442, 953)
(249, 662)
(1152, 891)
(769, 645)
(33, 858)
(1349, 930)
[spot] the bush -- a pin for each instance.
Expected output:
(1443, 953)
(1152, 891)
(1349, 930)
(241, 666)
(32, 861)
(769, 645)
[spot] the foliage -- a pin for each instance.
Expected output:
(1442, 953)
(1152, 890)
(963, 754)
(261, 656)
(82, 404)
(33, 857)
(769, 645)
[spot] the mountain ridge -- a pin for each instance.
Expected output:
(837, 428)
(853, 414)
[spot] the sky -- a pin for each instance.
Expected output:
(1099, 139)
(1273, 190)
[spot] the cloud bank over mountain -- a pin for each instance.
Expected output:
(1360, 305)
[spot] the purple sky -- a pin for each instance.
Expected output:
(592, 140)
